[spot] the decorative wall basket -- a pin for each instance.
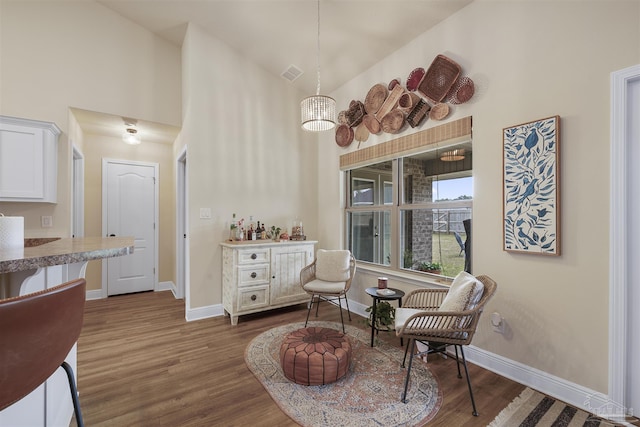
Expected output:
(439, 78)
(386, 108)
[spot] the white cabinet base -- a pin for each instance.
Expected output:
(260, 276)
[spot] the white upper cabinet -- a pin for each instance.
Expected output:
(28, 160)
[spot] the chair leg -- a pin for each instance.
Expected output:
(406, 381)
(318, 305)
(348, 311)
(309, 310)
(466, 371)
(74, 393)
(458, 360)
(341, 316)
(405, 352)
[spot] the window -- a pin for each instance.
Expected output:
(369, 216)
(412, 211)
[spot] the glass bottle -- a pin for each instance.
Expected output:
(232, 228)
(297, 231)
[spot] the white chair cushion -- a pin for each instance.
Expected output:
(464, 293)
(333, 266)
(323, 287)
(402, 314)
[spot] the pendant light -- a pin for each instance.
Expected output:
(453, 155)
(318, 112)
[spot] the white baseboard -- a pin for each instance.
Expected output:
(94, 294)
(199, 313)
(167, 286)
(559, 388)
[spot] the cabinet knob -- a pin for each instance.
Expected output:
(254, 256)
(254, 275)
(253, 297)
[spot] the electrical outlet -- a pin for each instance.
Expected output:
(46, 221)
(497, 323)
(205, 213)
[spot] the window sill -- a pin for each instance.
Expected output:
(424, 280)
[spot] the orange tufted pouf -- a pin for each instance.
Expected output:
(315, 356)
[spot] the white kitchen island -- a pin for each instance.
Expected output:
(42, 264)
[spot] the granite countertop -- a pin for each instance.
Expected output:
(52, 251)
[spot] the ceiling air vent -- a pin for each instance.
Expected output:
(291, 73)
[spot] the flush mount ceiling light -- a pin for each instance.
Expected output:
(453, 155)
(318, 112)
(130, 135)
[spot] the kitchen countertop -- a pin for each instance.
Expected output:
(63, 251)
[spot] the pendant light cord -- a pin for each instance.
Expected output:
(318, 52)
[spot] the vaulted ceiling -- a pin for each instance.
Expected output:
(276, 34)
(354, 34)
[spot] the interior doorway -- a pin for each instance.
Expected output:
(130, 208)
(77, 197)
(182, 248)
(624, 337)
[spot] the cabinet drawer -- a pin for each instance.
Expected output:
(253, 297)
(253, 274)
(253, 256)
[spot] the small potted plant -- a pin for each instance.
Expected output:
(274, 233)
(430, 267)
(385, 316)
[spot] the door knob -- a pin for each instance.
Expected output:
(112, 235)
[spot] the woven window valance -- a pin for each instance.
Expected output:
(452, 132)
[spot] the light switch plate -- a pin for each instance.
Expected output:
(205, 213)
(46, 221)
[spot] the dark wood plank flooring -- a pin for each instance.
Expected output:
(141, 364)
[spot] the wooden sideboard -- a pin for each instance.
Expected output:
(262, 275)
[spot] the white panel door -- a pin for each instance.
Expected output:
(131, 211)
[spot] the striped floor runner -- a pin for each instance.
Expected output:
(535, 409)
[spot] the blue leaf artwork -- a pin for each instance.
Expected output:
(531, 211)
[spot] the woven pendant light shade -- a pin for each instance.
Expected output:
(318, 113)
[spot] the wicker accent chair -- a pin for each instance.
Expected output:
(328, 278)
(420, 320)
(41, 328)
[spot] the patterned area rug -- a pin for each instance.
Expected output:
(532, 408)
(368, 395)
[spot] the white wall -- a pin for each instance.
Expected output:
(529, 60)
(246, 154)
(60, 54)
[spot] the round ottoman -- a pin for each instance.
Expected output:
(315, 356)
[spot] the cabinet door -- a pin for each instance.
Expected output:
(286, 263)
(21, 162)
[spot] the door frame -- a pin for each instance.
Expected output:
(182, 227)
(619, 256)
(105, 162)
(77, 192)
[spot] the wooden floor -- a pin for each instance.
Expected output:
(141, 364)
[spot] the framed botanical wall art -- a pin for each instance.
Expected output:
(531, 189)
